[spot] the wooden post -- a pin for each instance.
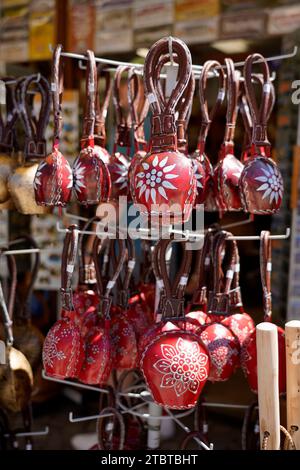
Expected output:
(267, 375)
(292, 344)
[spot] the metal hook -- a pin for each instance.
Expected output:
(45, 432)
(73, 384)
(256, 237)
(81, 65)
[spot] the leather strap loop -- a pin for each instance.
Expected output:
(101, 111)
(259, 113)
(104, 291)
(67, 267)
(57, 88)
(91, 93)
(7, 312)
(232, 85)
(123, 118)
(265, 272)
(174, 295)
(163, 123)
(7, 126)
(139, 107)
(35, 142)
(87, 273)
(218, 303)
(206, 115)
(128, 267)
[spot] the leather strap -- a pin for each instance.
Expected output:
(123, 117)
(35, 142)
(128, 267)
(139, 107)
(7, 125)
(164, 133)
(245, 110)
(235, 295)
(173, 308)
(101, 110)
(57, 88)
(232, 85)
(218, 303)
(87, 272)
(265, 255)
(202, 265)
(67, 267)
(7, 312)
(90, 106)
(259, 113)
(104, 291)
(206, 115)
(102, 428)
(23, 308)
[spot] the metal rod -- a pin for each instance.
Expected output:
(186, 429)
(28, 434)
(74, 216)
(225, 405)
(257, 237)
(93, 417)
(73, 55)
(73, 384)
(85, 232)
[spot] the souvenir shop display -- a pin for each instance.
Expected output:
(148, 321)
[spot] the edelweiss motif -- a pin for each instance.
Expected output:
(183, 366)
(123, 178)
(156, 178)
(272, 183)
(70, 176)
(78, 172)
(37, 182)
(50, 351)
(198, 175)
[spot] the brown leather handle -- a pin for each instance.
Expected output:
(67, 267)
(173, 301)
(164, 133)
(232, 85)
(259, 113)
(57, 88)
(7, 312)
(206, 115)
(31, 243)
(101, 110)
(35, 142)
(101, 427)
(105, 290)
(90, 107)
(139, 107)
(7, 125)
(235, 295)
(128, 267)
(265, 273)
(123, 117)
(245, 110)
(202, 266)
(219, 297)
(87, 271)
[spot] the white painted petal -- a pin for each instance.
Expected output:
(155, 161)
(145, 166)
(272, 196)
(171, 176)
(121, 179)
(263, 187)
(124, 185)
(141, 174)
(153, 195)
(266, 172)
(142, 190)
(70, 185)
(271, 170)
(168, 185)
(266, 193)
(147, 194)
(199, 185)
(139, 184)
(169, 168)
(280, 192)
(163, 162)
(263, 179)
(276, 197)
(162, 192)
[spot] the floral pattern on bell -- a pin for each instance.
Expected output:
(156, 177)
(50, 351)
(78, 172)
(272, 183)
(183, 367)
(121, 180)
(198, 175)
